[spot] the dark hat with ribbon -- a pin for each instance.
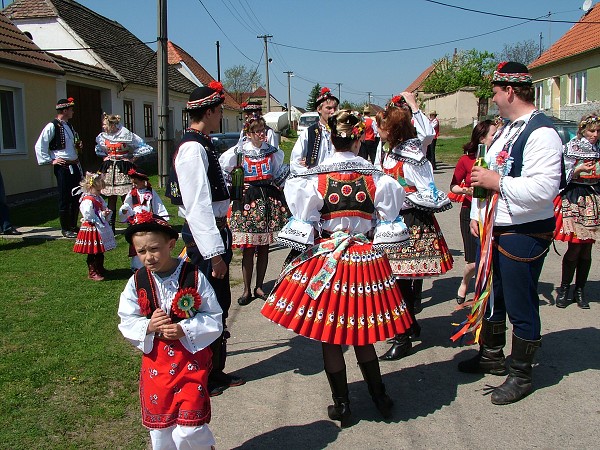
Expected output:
(65, 103)
(146, 221)
(137, 173)
(206, 96)
(509, 73)
(325, 94)
(251, 107)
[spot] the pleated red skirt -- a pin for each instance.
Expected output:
(89, 240)
(360, 305)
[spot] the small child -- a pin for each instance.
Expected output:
(141, 198)
(170, 312)
(95, 235)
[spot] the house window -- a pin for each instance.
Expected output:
(128, 114)
(185, 118)
(539, 95)
(11, 119)
(148, 121)
(578, 87)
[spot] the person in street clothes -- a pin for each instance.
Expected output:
(59, 145)
(197, 184)
(368, 148)
(524, 163)
(435, 124)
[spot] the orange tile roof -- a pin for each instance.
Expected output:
(176, 55)
(415, 85)
(582, 37)
(18, 49)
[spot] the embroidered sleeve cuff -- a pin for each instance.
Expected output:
(391, 235)
(297, 234)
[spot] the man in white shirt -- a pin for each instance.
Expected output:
(57, 145)
(523, 228)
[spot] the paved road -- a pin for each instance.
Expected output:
(283, 404)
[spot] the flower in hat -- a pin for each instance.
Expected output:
(324, 91)
(244, 104)
(501, 65)
(71, 99)
(143, 217)
(186, 303)
(216, 86)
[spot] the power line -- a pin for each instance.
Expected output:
(239, 19)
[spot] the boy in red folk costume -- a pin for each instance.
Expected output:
(169, 311)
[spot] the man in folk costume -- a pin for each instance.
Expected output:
(255, 109)
(197, 185)
(58, 145)
(314, 143)
(524, 174)
(368, 148)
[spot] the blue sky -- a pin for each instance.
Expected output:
(329, 25)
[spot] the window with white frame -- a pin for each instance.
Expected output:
(578, 87)
(148, 120)
(128, 115)
(12, 130)
(539, 95)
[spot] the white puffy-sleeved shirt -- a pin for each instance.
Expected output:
(200, 330)
(305, 202)
(530, 196)
(228, 160)
(301, 150)
(149, 201)
(191, 165)
(42, 147)
(133, 144)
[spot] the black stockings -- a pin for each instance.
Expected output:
(333, 356)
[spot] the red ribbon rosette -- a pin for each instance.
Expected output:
(216, 86)
(186, 303)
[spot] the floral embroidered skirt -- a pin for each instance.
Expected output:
(577, 214)
(361, 304)
(173, 386)
(115, 176)
(256, 219)
(92, 239)
(427, 253)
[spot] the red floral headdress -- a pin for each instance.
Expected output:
(146, 221)
(62, 104)
(325, 94)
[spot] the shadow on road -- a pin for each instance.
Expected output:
(295, 437)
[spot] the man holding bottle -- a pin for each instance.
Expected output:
(530, 151)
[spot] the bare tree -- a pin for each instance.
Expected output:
(239, 79)
(524, 52)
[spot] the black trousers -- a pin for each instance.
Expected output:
(67, 178)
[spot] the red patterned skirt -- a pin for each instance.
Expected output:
(427, 253)
(91, 240)
(576, 211)
(173, 386)
(360, 305)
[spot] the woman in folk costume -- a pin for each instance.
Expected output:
(254, 109)
(119, 148)
(169, 311)
(341, 290)
(427, 254)
(95, 235)
(258, 210)
(142, 197)
(576, 209)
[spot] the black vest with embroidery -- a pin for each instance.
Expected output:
(146, 288)
(346, 194)
(314, 142)
(538, 121)
(58, 141)
(218, 189)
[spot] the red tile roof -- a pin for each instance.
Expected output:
(581, 38)
(176, 55)
(416, 85)
(18, 49)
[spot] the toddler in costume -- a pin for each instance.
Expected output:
(170, 312)
(142, 197)
(95, 235)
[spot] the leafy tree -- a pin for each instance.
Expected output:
(352, 106)
(465, 68)
(311, 103)
(524, 52)
(239, 79)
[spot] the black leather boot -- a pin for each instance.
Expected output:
(400, 348)
(518, 383)
(562, 294)
(340, 410)
(490, 358)
(418, 296)
(65, 224)
(580, 299)
(372, 375)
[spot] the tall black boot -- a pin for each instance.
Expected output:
(518, 383)
(65, 224)
(568, 271)
(218, 380)
(583, 270)
(418, 296)
(340, 410)
(562, 294)
(400, 348)
(490, 358)
(580, 299)
(372, 375)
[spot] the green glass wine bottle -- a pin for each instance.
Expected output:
(237, 178)
(478, 191)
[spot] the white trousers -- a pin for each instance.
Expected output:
(179, 437)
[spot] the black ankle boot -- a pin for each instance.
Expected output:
(340, 410)
(518, 383)
(580, 299)
(562, 294)
(400, 348)
(372, 375)
(490, 358)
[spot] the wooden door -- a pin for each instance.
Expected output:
(87, 121)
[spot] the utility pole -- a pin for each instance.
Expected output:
(265, 37)
(369, 102)
(541, 46)
(290, 74)
(219, 77)
(339, 92)
(164, 127)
